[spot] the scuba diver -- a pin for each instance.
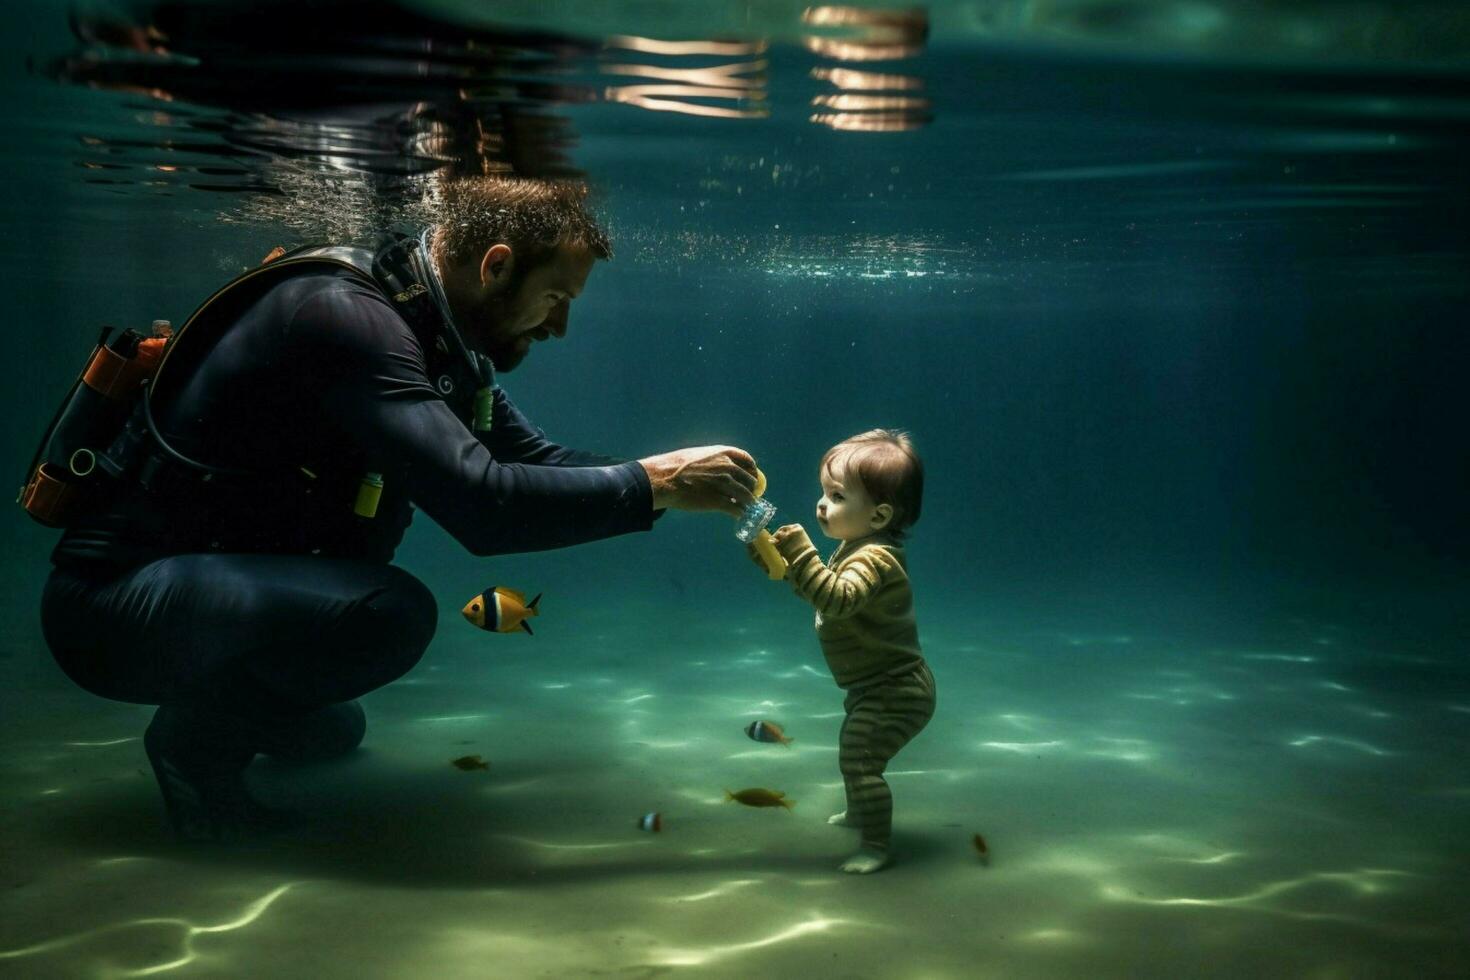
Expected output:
(228, 557)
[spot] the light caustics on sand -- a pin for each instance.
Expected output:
(1095, 641)
(1282, 657)
(817, 923)
(787, 753)
(1351, 743)
(252, 912)
(1220, 858)
(1123, 750)
(1052, 936)
(517, 786)
(665, 745)
(717, 892)
(1363, 882)
(550, 846)
(1182, 694)
(807, 669)
(1022, 746)
(1118, 749)
(1182, 848)
(763, 707)
(949, 775)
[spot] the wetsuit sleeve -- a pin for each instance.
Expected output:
(514, 439)
(842, 592)
(375, 386)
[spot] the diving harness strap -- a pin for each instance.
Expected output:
(401, 269)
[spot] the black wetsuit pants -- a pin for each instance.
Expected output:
(243, 649)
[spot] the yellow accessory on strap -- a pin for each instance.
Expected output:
(369, 492)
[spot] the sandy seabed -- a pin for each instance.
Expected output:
(1157, 804)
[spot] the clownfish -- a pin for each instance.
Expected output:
(651, 822)
(766, 731)
(501, 610)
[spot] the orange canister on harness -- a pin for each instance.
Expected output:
(64, 472)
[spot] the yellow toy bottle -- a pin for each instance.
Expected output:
(752, 530)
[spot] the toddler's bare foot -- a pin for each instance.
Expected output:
(866, 861)
(840, 820)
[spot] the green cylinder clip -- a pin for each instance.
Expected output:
(369, 492)
(484, 409)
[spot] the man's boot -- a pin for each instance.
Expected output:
(199, 758)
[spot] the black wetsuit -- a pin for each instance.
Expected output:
(247, 605)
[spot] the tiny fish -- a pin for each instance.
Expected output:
(501, 610)
(651, 822)
(982, 849)
(766, 731)
(760, 797)
(469, 763)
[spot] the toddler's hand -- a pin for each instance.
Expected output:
(784, 533)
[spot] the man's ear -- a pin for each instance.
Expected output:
(882, 514)
(496, 264)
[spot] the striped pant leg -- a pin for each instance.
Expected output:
(881, 719)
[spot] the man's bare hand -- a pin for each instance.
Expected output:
(702, 478)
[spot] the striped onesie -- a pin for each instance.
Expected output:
(865, 623)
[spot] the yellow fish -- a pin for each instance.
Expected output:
(501, 610)
(760, 797)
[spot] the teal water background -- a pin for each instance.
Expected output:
(1178, 327)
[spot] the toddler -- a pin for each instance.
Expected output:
(872, 488)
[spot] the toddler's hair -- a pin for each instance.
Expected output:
(890, 470)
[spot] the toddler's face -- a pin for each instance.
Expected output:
(845, 512)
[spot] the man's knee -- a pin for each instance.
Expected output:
(398, 619)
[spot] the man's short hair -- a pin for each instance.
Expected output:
(533, 217)
(890, 470)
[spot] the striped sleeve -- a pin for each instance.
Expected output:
(836, 594)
